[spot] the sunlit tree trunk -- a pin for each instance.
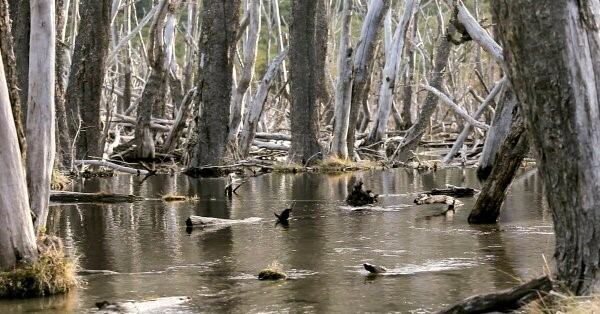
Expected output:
(304, 114)
(552, 49)
(86, 77)
(217, 44)
(40, 109)
(17, 236)
(62, 73)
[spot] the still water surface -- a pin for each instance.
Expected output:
(431, 262)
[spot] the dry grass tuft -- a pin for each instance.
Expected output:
(52, 273)
(179, 198)
(567, 304)
(59, 181)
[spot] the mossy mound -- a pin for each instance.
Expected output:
(288, 168)
(52, 273)
(272, 272)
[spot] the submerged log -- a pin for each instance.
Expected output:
(200, 221)
(79, 197)
(374, 269)
(456, 191)
(107, 164)
(154, 305)
(507, 300)
(436, 199)
(358, 197)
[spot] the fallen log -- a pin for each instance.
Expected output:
(200, 221)
(107, 164)
(456, 191)
(270, 146)
(273, 136)
(436, 199)
(80, 197)
(507, 300)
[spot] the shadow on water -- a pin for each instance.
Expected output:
(431, 262)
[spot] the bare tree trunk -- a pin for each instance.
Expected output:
(303, 75)
(62, 74)
(390, 72)
(153, 97)
(17, 237)
(413, 136)
(409, 79)
(321, 41)
(190, 51)
(40, 109)
(553, 53)
(343, 91)
(20, 16)
(217, 48)
(86, 78)
(10, 67)
(507, 162)
(362, 58)
(256, 107)
(249, 56)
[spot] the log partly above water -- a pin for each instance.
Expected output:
(506, 300)
(79, 197)
(200, 221)
(456, 191)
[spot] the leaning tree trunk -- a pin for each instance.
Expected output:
(217, 50)
(343, 90)
(153, 96)
(40, 109)
(9, 60)
(413, 136)
(508, 160)
(17, 237)
(553, 53)
(390, 73)
(303, 75)
(86, 78)
(249, 56)
(363, 57)
(20, 16)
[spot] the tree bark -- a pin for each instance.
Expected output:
(63, 137)
(343, 91)
(409, 78)
(249, 56)
(17, 237)
(11, 70)
(217, 49)
(20, 16)
(86, 78)
(362, 58)
(321, 43)
(508, 160)
(40, 109)
(390, 73)
(303, 75)
(552, 49)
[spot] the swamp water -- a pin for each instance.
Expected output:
(431, 262)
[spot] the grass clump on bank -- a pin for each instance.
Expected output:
(59, 181)
(567, 304)
(327, 165)
(52, 273)
(273, 272)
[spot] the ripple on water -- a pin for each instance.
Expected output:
(429, 266)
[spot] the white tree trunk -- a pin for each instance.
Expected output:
(17, 236)
(343, 92)
(254, 112)
(390, 72)
(250, 45)
(40, 108)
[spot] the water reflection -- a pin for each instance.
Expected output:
(432, 262)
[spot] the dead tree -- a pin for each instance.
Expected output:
(553, 53)
(343, 90)
(21, 23)
(508, 160)
(217, 50)
(86, 78)
(304, 117)
(40, 109)
(63, 138)
(363, 57)
(17, 237)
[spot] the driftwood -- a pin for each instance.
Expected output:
(358, 197)
(200, 221)
(456, 191)
(107, 164)
(79, 197)
(502, 301)
(436, 199)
